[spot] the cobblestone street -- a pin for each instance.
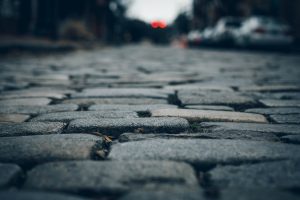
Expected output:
(150, 123)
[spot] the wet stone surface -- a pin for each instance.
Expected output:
(149, 122)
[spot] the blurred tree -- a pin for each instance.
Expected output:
(182, 23)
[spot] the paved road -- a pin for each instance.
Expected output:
(143, 122)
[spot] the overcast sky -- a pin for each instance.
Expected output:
(149, 10)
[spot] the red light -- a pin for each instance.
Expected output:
(158, 24)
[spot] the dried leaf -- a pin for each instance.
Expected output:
(107, 138)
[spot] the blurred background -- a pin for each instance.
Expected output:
(186, 23)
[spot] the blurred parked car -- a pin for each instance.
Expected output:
(226, 29)
(196, 38)
(264, 31)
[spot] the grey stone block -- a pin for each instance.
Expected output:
(280, 103)
(274, 111)
(124, 101)
(10, 174)
(121, 92)
(280, 174)
(37, 110)
(286, 119)
(30, 150)
(13, 118)
(204, 152)
(277, 129)
(31, 128)
(34, 195)
(256, 194)
(129, 137)
(135, 108)
(294, 139)
(198, 97)
(116, 127)
(209, 115)
(110, 177)
(88, 115)
(203, 107)
(25, 102)
(174, 193)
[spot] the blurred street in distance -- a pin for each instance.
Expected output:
(149, 100)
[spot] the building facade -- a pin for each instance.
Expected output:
(45, 17)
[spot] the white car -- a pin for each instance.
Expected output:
(194, 37)
(225, 30)
(263, 31)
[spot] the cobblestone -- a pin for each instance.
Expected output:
(198, 97)
(10, 175)
(263, 175)
(31, 128)
(271, 88)
(175, 193)
(30, 195)
(224, 108)
(294, 139)
(135, 108)
(111, 124)
(223, 128)
(257, 136)
(119, 93)
(25, 102)
(256, 194)
(69, 116)
(281, 103)
(31, 94)
(286, 119)
(116, 127)
(202, 152)
(209, 115)
(30, 150)
(274, 111)
(37, 110)
(13, 118)
(109, 176)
